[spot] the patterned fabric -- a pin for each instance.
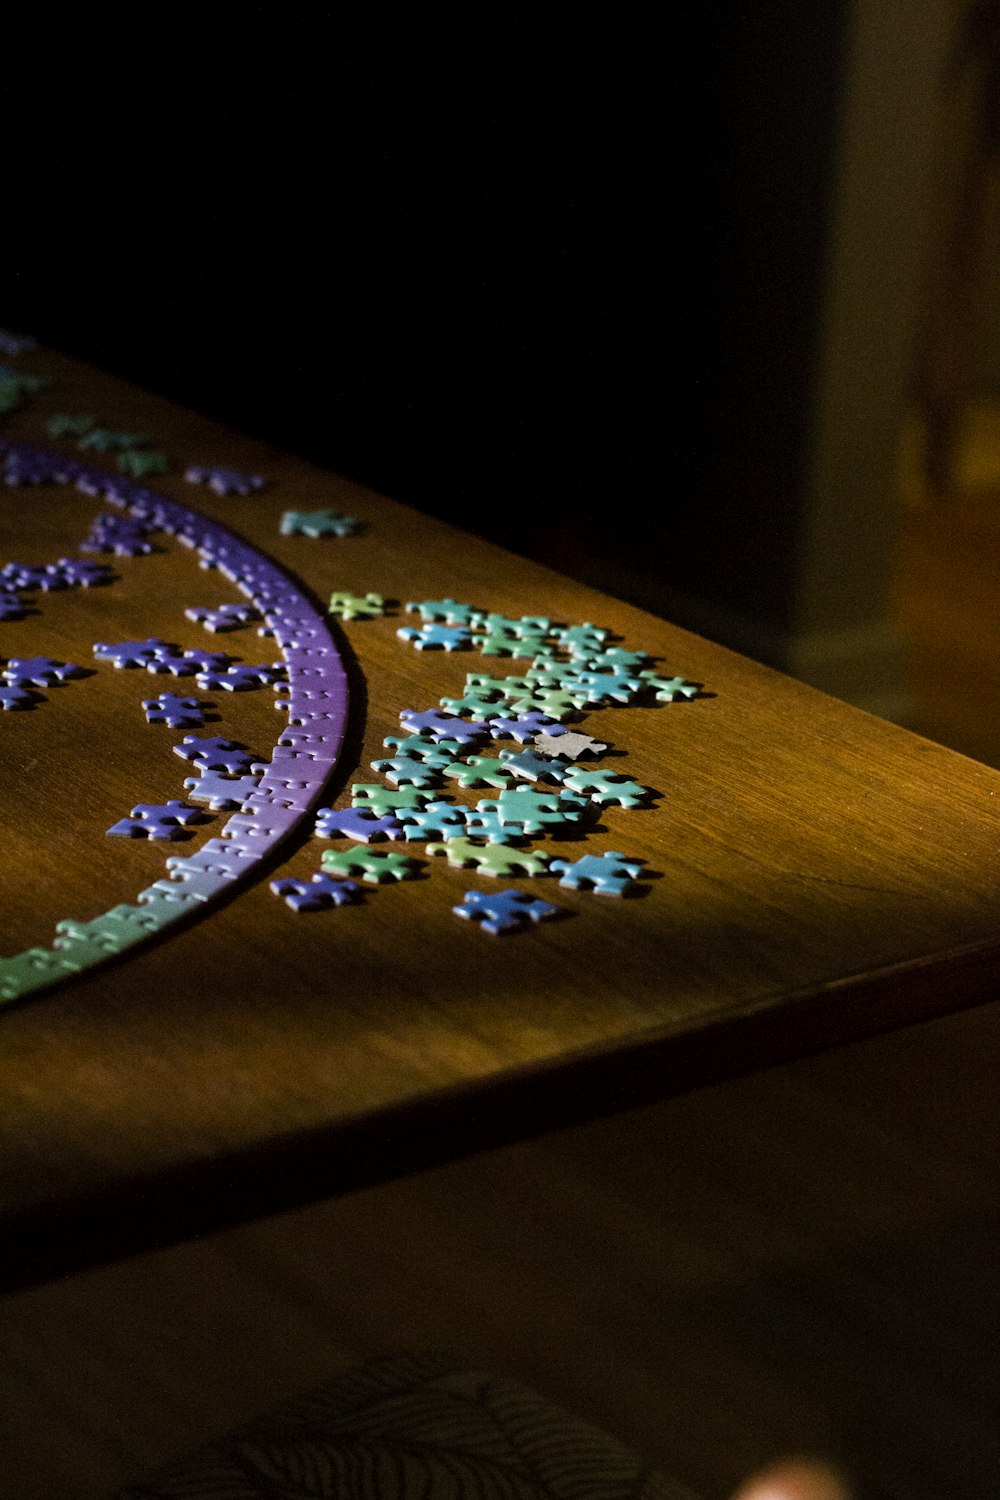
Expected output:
(413, 1427)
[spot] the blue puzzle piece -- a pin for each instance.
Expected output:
(241, 678)
(502, 911)
(38, 671)
(179, 713)
(437, 637)
(436, 725)
(221, 791)
(14, 697)
(75, 573)
(609, 874)
(317, 894)
(438, 820)
(523, 727)
(210, 753)
(446, 611)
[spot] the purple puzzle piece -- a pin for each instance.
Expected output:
(39, 671)
(131, 653)
(179, 713)
(151, 821)
(225, 481)
(317, 894)
(241, 678)
(356, 823)
(212, 753)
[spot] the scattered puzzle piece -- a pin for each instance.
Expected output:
(406, 770)
(373, 865)
(317, 523)
(357, 607)
(438, 726)
(141, 462)
(491, 859)
(479, 770)
(437, 637)
(13, 697)
(606, 787)
(569, 745)
(211, 753)
(220, 791)
(317, 894)
(103, 440)
(446, 611)
(530, 766)
(225, 481)
(356, 823)
(523, 727)
(536, 810)
(38, 671)
(504, 911)
(131, 653)
(149, 821)
(382, 799)
(63, 424)
(670, 689)
(179, 713)
(438, 820)
(241, 678)
(609, 874)
(436, 752)
(225, 617)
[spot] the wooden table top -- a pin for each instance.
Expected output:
(811, 875)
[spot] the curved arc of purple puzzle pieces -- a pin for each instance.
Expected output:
(301, 762)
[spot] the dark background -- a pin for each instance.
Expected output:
(554, 280)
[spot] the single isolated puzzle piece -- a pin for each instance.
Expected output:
(356, 606)
(437, 637)
(373, 865)
(608, 874)
(149, 821)
(131, 653)
(225, 481)
(491, 859)
(317, 523)
(179, 713)
(224, 617)
(568, 745)
(509, 910)
(670, 689)
(317, 894)
(38, 671)
(356, 823)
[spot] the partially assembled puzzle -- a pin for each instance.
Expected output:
(515, 745)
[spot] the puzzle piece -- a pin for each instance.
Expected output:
(606, 787)
(479, 770)
(526, 626)
(438, 726)
(131, 653)
(63, 424)
(506, 643)
(179, 713)
(438, 753)
(220, 791)
(356, 823)
(491, 859)
(568, 745)
(523, 727)
(13, 697)
(614, 659)
(373, 865)
(382, 799)
(317, 523)
(30, 466)
(437, 637)
(438, 820)
(73, 572)
(149, 821)
(225, 617)
(356, 606)
(31, 969)
(608, 874)
(225, 481)
(580, 640)
(317, 894)
(103, 440)
(504, 911)
(485, 822)
(38, 671)
(670, 689)
(446, 611)
(121, 535)
(211, 753)
(32, 576)
(141, 462)
(405, 770)
(602, 687)
(536, 810)
(241, 678)
(11, 606)
(480, 706)
(530, 766)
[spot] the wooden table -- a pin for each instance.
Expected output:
(812, 875)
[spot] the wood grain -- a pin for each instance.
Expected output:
(815, 875)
